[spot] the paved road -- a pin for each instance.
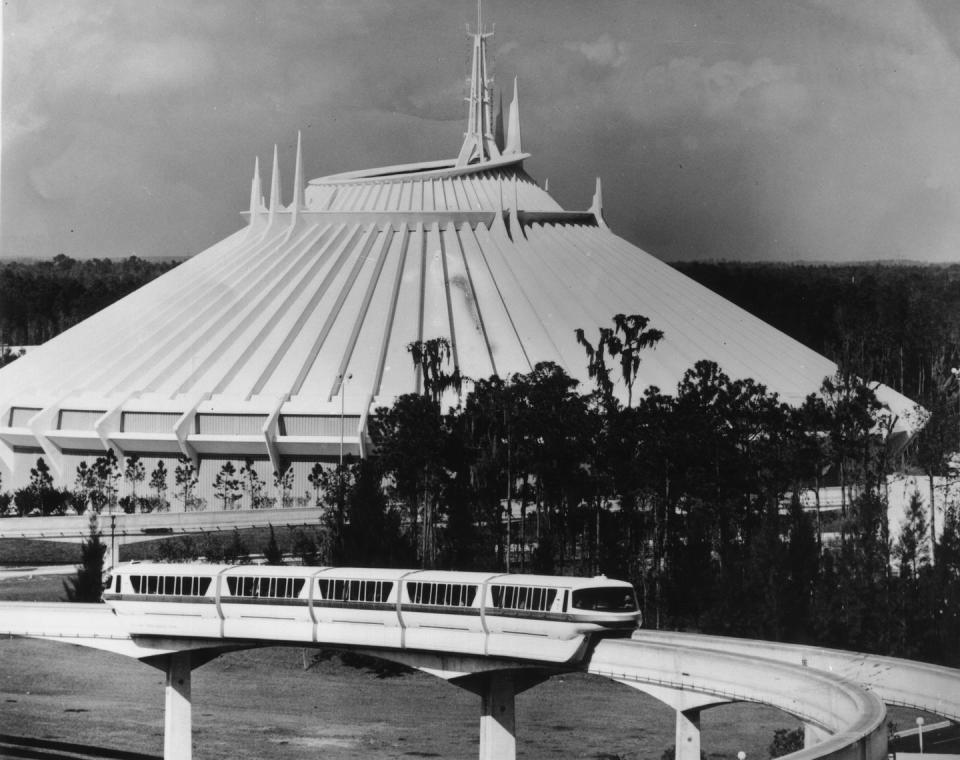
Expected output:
(944, 742)
(29, 571)
(45, 749)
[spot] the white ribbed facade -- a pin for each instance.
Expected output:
(239, 352)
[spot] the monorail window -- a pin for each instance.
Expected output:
(169, 585)
(534, 598)
(605, 599)
(344, 590)
(441, 594)
(270, 588)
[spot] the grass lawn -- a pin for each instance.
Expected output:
(263, 704)
(19, 551)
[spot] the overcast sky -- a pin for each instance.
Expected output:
(824, 130)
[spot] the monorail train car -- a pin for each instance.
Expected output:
(540, 617)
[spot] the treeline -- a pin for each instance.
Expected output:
(40, 299)
(898, 324)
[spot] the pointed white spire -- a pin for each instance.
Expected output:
(274, 186)
(498, 124)
(479, 143)
(256, 193)
(296, 205)
(514, 144)
(596, 207)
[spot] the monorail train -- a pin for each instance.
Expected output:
(540, 617)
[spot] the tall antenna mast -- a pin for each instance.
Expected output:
(479, 143)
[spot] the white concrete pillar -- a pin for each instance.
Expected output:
(687, 740)
(178, 719)
(498, 739)
(114, 550)
(813, 735)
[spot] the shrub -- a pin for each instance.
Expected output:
(87, 585)
(153, 504)
(271, 552)
(27, 501)
(212, 549)
(305, 548)
(785, 741)
(180, 549)
(237, 551)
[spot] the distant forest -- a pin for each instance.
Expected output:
(898, 324)
(40, 299)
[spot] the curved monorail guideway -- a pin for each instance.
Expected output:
(495, 635)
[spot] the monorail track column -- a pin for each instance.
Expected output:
(688, 706)
(687, 737)
(178, 716)
(498, 738)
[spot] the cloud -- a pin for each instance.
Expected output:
(759, 93)
(798, 131)
(605, 51)
(176, 62)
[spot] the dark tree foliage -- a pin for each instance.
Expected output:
(899, 325)
(785, 741)
(362, 529)
(305, 547)
(87, 585)
(271, 552)
(40, 299)
(236, 551)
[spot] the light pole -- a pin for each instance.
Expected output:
(343, 393)
(920, 733)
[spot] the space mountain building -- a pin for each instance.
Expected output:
(277, 343)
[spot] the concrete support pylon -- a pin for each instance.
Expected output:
(687, 740)
(813, 735)
(498, 735)
(178, 717)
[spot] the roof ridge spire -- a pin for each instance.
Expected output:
(296, 205)
(514, 144)
(256, 197)
(274, 186)
(479, 143)
(256, 191)
(596, 206)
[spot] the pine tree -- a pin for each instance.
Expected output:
(271, 552)
(87, 585)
